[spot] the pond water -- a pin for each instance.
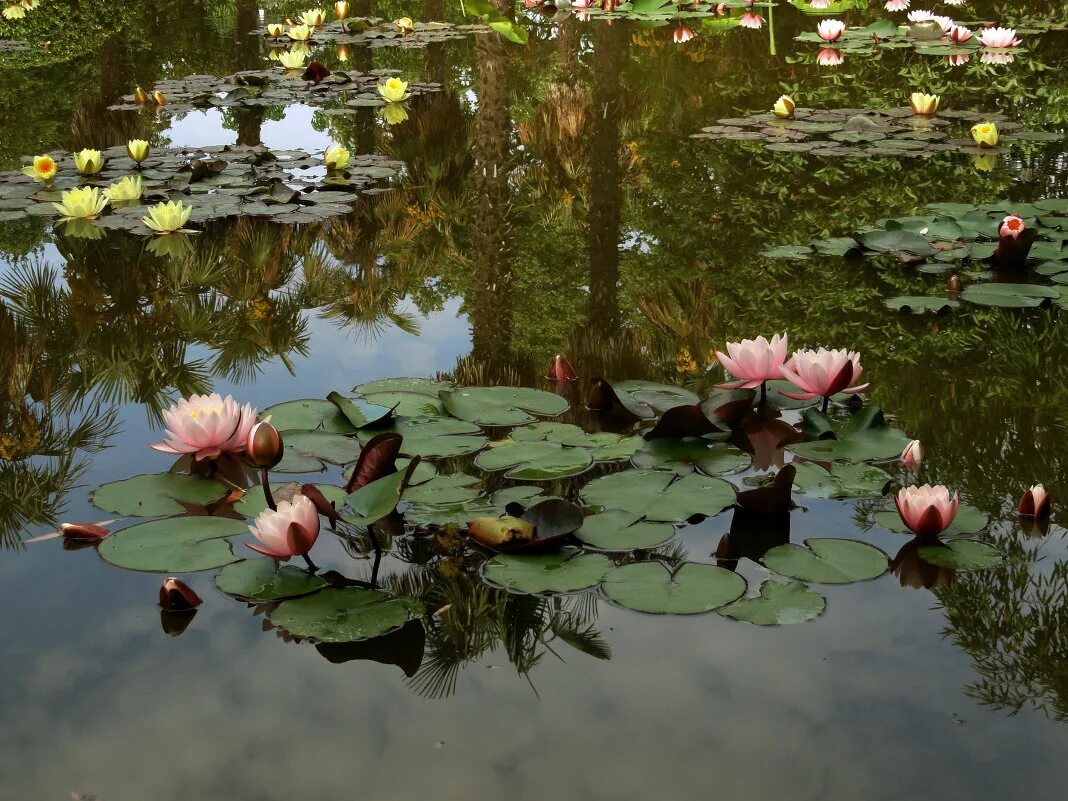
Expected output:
(551, 198)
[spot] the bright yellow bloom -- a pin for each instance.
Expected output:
(394, 90)
(137, 149)
(275, 29)
(300, 33)
(166, 218)
(129, 188)
(343, 53)
(81, 229)
(291, 59)
(341, 9)
(985, 134)
(313, 18)
(140, 96)
(784, 107)
(404, 24)
(30, 5)
(14, 12)
(43, 169)
(394, 113)
(81, 203)
(88, 161)
(923, 105)
(159, 97)
(336, 158)
(984, 162)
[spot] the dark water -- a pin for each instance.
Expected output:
(553, 202)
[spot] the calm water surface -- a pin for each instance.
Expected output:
(553, 202)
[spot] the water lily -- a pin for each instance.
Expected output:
(129, 188)
(897, 5)
(81, 203)
(1035, 503)
(167, 218)
(829, 57)
(394, 90)
(206, 426)
(985, 134)
(44, 168)
(88, 161)
(946, 22)
(823, 373)
(290, 530)
(336, 158)
(84, 531)
(912, 456)
(291, 59)
(560, 370)
(960, 34)
(784, 107)
(830, 30)
(140, 96)
(958, 59)
(681, 35)
(275, 30)
(137, 150)
(264, 447)
(394, 113)
(754, 361)
(998, 37)
(923, 105)
(341, 9)
(751, 20)
(300, 33)
(344, 53)
(159, 97)
(919, 15)
(177, 596)
(927, 511)
(989, 57)
(819, 5)
(1012, 226)
(313, 18)
(14, 12)
(404, 24)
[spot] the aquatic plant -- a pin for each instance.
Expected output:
(206, 426)
(43, 168)
(81, 203)
(927, 511)
(290, 530)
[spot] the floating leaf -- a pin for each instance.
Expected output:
(692, 589)
(547, 573)
(173, 544)
(446, 489)
(409, 404)
(360, 412)
(918, 304)
(619, 530)
(865, 437)
(423, 514)
(827, 561)
(660, 495)
(157, 494)
(779, 604)
(345, 615)
(1009, 295)
(435, 437)
(502, 406)
(307, 451)
(420, 386)
(682, 456)
(961, 555)
(374, 501)
(534, 461)
(842, 481)
(266, 580)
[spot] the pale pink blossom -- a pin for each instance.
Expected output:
(912, 456)
(946, 23)
(998, 37)
(819, 5)
(751, 20)
(960, 34)
(1035, 503)
(830, 29)
(289, 531)
(955, 2)
(682, 35)
(958, 60)
(206, 426)
(919, 15)
(897, 5)
(822, 373)
(927, 511)
(581, 3)
(754, 361)
(988, 57)
(1011, 226)
(829, 57)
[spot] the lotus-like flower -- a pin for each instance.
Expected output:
(681, 35)
(275, 30)
(960, 34)
(985, 134)
(927, 511)
(923, 105)
(167, 218)
(784, 107)
(830, 30)
(394, 90)
(1035, 503)
(336, 158)
(990, 57)
(129, 188)
(829, 57)
(291, 530)
(177, 596)
(140, 96)
(1012, 226)
(88, 161)
(998, 37)
(946, 23)
(313, 18)
(43, 169)
(751, 20)
(919, 15)
(897, 5)
(822, 373)
(137, 150)
(206, 426)
(404, 24)
(264, 446)
(341, 9)
(14, 12)
(754, 361)
(394, 113)
(291, 59)
(159, 97)
(912, 456)
(81, 203)
(84, 531)
(300, 33)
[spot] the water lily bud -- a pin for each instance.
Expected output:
(84, 531)
(912, 456)
(1035, 503)
(137, 149)
(784, 107)
(341, 9)
(264, 447)
(495, 531)
(830, 30)
(160, 98)
(680, 35)
(336, 158)
(561, 370)
(985, 134)
(141, 96)
(275, 30)
(954, 284)
(927, 511)
(177, 596)
(343, 53)
(88, 161)
(1011, 227)
(404, 24)
(923, 105)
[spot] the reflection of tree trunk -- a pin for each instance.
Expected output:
(248, 57)
(490, 301)
(610, 55)
(362, 61)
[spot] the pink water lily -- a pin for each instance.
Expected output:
(991, 57)
(829, 57)
(291, 530)
(919, 15)
(830, 29)
(206, 426)
(1012, 226)
(960, 34)
(958, 60)
(751, 20)
(897, 5)
(682, 35)
(946, 22)
(927, 511)
(912, 456)
(1035, 503)
(754, 361)
(822, 373)
(998, 37)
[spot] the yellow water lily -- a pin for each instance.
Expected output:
(14, 12)
(336, 158)
(81, 229)
(394, 90)
(138, 150)
(275, 29)
(30, 5)
(784, 107)
(923, 105)
(985, 134)
(81, 203)
(129, 188)
(313, 18)
(984, 162)
(291, 59)
(175, 246)
(159, 97)
(341, 9)
(166, 218)
(141, 96)
(300, 33)
(394, 113)
(89, 161)
(404, 24)
(44, 168)
(344, 53)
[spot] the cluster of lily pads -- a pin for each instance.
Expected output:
(369, 31)
(712, 16)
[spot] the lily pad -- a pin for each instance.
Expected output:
(446, 489)
(534, 461)
(434, 437)
(502, 406)
(692, 589)
(683, 456)
(420, 386)
(408, 404)
(173, 544)
(345, 615)
(1009, 295)
(866, 436)
(918, 304)
(619, 530)
(827, 561)
(308, 414)
(659, 495)
(445, 514)
(157, 494)
(779, 604)
(359, 412)
(960, 555)
(309, 451)
(968, 520)
(567, 571)
(266, 580)
(843, 480)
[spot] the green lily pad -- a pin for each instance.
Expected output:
(157, 494)
(619, 530)
(896, 242)
(968, 520)
(421, 386)
(692, 589)
(659, 495)
(307, 451)
(779, 604)
(1018, 296)
(534, 461)
(252, 503)
(654, 397)
(683, 456)
(918, 304)
(603, 446)
(434, 437)
(866, 436)
(793, 252)
(308, 414)
(566, 571)
(844, 480)
(827, 561)
(446, 489)
(502, 406)
(446, 514)
(374, 501)
(409, 404)
(173, 544)
(960, 555)
(359, 412)
(266, 580)
(345, 615)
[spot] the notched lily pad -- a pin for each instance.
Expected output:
(173, 544)
(692, 589)
(345, 615)
(157, 494)
(562, 572)
(827, 561)
(779, 604)
(266, 580)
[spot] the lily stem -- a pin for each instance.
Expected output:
(764, 393)
(826, 401)
(311, 564)
(267, 494)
